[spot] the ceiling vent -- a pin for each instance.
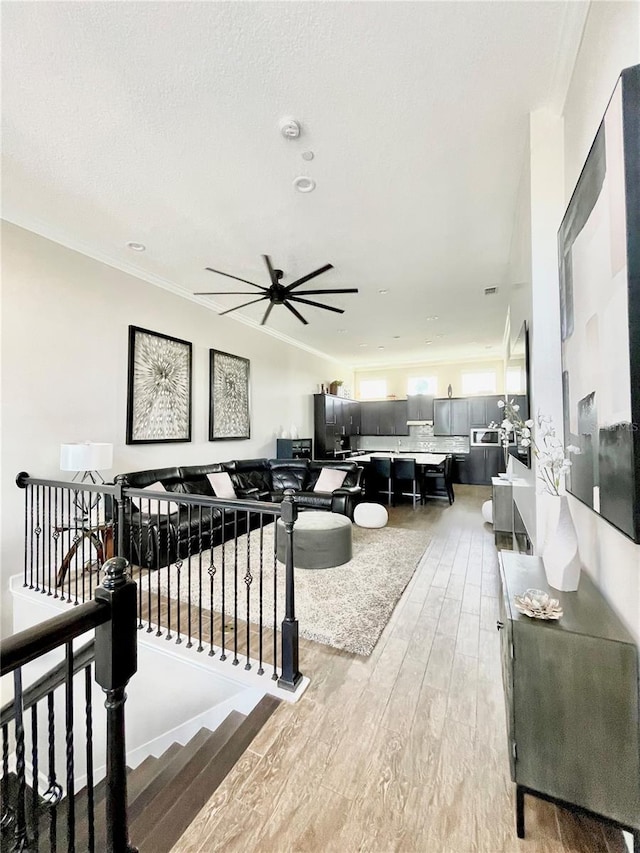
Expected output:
(490, 291)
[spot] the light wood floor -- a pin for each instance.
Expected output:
(404, 750)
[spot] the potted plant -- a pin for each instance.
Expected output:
(334, 385)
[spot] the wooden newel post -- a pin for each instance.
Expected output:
(291, 675)
(116, 662)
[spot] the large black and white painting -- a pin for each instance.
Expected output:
(229, 416)
(599, 255)
(159, 388)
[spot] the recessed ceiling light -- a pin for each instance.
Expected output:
(307, 155)
(428, 342)
(136, 247)
(380, 347)
(363, 345)
(433, 317)
(383, 291)
(304, 184)
(440, 335)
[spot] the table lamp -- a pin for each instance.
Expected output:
(87, 458)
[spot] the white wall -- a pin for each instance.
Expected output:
(611, 42)
(65, 321)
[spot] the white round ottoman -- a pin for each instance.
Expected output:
(487, 511)
(370, 515)
(321, 540)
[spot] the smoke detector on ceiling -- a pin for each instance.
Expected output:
(290, 128)
(490, 291)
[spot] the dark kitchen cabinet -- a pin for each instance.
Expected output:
(420, 407)
(571, 696)
(293, 448)
(451, 416)
(384, 417)
(478, 466)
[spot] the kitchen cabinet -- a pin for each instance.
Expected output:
(571, 696)
(451, 416)
(420, 407)
(478, 466)
(293, 448)
(384, 417)
(333, 424)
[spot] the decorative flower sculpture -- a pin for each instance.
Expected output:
(552, 461)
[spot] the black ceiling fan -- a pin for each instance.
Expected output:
(278, 294)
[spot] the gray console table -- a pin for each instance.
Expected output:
(571, 693)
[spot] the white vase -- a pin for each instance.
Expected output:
(560, 551)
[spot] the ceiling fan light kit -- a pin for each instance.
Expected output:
(279, 294)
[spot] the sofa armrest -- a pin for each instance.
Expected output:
(345, 499)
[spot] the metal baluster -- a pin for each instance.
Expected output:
(200, 648)
(38, 532)
(71, 793)
(49, 543)
(89, 735)
(235, 660)
(223, 656)
(260, 668)
(290, 675)
(56, 539)
(178, 565)
(27, 492)
(211, 572)
(30, 489)
(53, 794)
(274, 675)
(21, 842)
(248, 578)
(34, 776)
(189, 520)
(158, 571)
(169, 635)
(8, 814)
(82, 541)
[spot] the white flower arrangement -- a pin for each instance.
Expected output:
(552, 461)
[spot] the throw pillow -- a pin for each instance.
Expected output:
(329, 479)
(151, 506)
(222, 485)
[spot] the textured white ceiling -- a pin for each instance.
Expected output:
(158, 123)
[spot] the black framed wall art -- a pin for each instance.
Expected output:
(229, 413)
(599, 259)
(159, 388)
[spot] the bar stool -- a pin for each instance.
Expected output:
(381, 466)
(405, 471)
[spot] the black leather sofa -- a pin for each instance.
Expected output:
(154, 539)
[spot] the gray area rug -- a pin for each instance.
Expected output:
(346, 607)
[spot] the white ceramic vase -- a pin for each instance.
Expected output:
(560, 551)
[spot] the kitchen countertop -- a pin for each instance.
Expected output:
(421, 458)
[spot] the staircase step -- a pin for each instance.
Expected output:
(186, 796)
(179, 775)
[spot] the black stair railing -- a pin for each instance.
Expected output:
(29, 818)
(207, 569)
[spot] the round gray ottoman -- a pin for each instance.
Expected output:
(321, 540)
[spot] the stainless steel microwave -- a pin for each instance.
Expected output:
(485, 437)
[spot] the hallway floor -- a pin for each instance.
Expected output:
(404, 750)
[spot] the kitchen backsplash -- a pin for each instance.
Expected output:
(420, 438)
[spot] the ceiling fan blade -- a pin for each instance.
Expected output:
(309, 276)
(339, 290)
(244, 304)
(266, 313)
(297, 313)
(272, 272)
(224, 293)
(316, 304)
(228, 275)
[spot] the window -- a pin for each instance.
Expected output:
(479, 383)
(373, 389)
(422, 385)
(514, 381)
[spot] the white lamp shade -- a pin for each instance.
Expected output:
(88, 456)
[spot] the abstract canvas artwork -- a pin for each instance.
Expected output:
(229, 416)
(599, 259)
(159, 389)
